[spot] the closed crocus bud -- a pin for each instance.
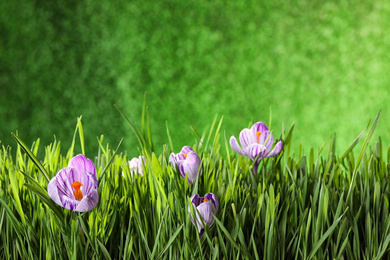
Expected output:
(207, 207)
(256, 144)
(135, 165)
(75, 187)
(188, 163)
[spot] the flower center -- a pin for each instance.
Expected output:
(185, 155)
(204, 200)
(77, 193)
(258, 133)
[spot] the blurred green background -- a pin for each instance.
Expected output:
(323, 65)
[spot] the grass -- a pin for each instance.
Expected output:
(317, 206)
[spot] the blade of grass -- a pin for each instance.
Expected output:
(31, 156)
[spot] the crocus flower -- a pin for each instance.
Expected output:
(256, 144)
(207, 207)
(135, 165)
(188, 162)
(75, 187)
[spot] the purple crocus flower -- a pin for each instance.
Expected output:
(207, 207)
(75, 187)
(256, 144)
(188, 162)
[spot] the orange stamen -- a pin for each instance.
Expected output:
(258, 133)
(78, 195)
(185, 155)
(204, 200)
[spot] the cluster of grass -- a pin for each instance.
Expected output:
(318, 206)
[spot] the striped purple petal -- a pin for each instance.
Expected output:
(191, 166)
(88, 202)
(213, 198)
(69, 203)
(259, 127)
(236, 147)
(256, 151)
(267, 139)
(82, 164)
(247, 137)
(186, 149)
(277, 149)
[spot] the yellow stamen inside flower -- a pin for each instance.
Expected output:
(258, 133)
(204, 200)
(77, 193)
(185, 155)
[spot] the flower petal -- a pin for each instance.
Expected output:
(234, 144)
(213, 198)
(206, 210)
(256, 151)
(82, 164)
(259, 127)
(89, 182)
(172, 158)
(247, 137)
(277, 149)
(267, 139)
(195, 199)
(65, 177)
(191, 166)
(135, 166)
(186, 149)
(88, 202)
(69, 203)
(52, 189)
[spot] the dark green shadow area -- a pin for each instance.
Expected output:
(323, 65)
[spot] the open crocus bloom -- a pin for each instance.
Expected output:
(135, 165)
(188, 162)
(75, 187)
(256, 143)
(207, 207)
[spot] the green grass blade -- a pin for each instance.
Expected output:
(32, 156)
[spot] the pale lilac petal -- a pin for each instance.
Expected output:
(88, 202)
(191, 166)
(69, 203)
(236, 147)
(180, 157)
(206, 210)
(172, 158)
(82, 164)
(213, 198)
(277, 149)
(247, 137)
(89, 183)
(259, 127)
(53, 191)
(65, 178)
(256, 151)
(135, 166)
(186, 149)
(267, 139)
(181, 169)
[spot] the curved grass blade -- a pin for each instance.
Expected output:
(32, 157)
(363, 150)
(110, 161)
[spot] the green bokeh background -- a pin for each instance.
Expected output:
(323, 65)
